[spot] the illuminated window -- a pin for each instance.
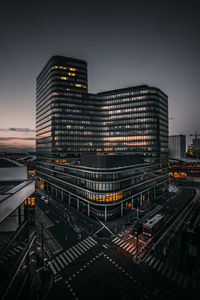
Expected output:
(87, 132)
(78, 84)
(30, 201)
(67, 89)
(64, 78)
(68, 126)
(72, 69)
(71, 74)
(59, 67)
(90, 143)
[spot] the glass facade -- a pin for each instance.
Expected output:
(70, 121)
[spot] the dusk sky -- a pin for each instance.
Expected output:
(127, 44)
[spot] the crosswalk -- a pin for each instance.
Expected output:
(16, 249)
(70, 255)
(177, 278)
(126, 245)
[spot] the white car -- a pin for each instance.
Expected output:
(45, 199)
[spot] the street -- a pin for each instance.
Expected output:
(85, 266)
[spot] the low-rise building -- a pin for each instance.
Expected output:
(16, 222)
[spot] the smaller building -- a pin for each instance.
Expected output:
(190, 150)
(17, 229)
(196, 148)
(177, 146)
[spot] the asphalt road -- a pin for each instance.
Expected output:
(88, 267)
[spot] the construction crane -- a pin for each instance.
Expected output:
(195, 137)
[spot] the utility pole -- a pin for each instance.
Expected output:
(137, 218)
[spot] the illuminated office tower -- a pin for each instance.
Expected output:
(99, 152)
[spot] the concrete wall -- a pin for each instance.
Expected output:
(13, 173)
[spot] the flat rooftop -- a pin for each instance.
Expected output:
(6, 186)
(4, 163)
(110, 160)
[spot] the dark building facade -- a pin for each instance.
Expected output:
(119, 123)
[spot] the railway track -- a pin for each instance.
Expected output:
(174, 220)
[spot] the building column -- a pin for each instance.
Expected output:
(88, 209)
(148, 196)
(69, 199)
(77, 201)
(141, 199)
(132, 203)
(105, 214)
(47, 186)
(52, 189)
(19, 215)
(154, 192)
(62, 197)
(121, 209)
(56, 190)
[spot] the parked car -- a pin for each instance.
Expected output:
(45, 199)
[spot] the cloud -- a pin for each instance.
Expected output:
(17, 129)
(16, 138)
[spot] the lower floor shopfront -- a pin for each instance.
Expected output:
(107, 211)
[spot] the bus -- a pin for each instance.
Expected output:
(152, 225)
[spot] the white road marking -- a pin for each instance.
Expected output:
(122, 241)
(126, 246)
(156, 263)
(92, 240)
(117, 240)
(76, 250)
(148, 258)
(114, 239)
(83, 247)
(65, 255)
(73, 253)
(80, 248)
(53, 269)
(129, 247)
(151, 261)
(58, 279)
(85, 244)
(56, 265)
(60, 262)
(89, 243)
(63, 259)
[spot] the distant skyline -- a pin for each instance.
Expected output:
(149, 42)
